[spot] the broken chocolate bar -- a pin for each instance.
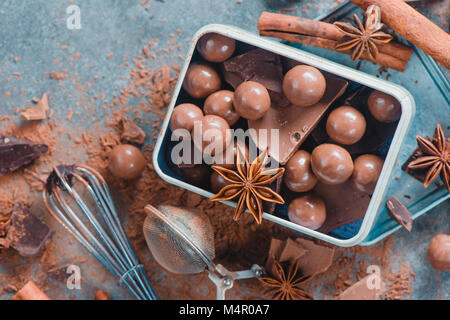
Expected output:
(25, 233)
(15, 153)
(399, 212)
(293, 123)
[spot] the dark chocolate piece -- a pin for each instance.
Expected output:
(15, 153)
(26, 233)
(294, 123)
(257, 65)
(399, 212)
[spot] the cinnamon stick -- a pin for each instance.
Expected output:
(382, 58)
(30, 292)
(414, 27)
(325, 35)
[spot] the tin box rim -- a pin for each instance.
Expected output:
(401, 94)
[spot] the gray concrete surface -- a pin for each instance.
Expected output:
(35, 30)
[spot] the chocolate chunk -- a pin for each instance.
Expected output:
(257, 65)
(59, 273)
(15, 153)
(26, 233)
(316, 260)
(294, 123)
(131, 133)
(362, 290)
(399, 212)
(312, 258)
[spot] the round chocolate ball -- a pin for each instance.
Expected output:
(228, 159)
(298, 176)
(304, 85)
(439, 252)
(126, 161)
(220, 103)
(215, 135)
(201, 80)
(308, 211)
(196, 174)
(331, 163)
(215, 47)
(346, 125)
(184, 116)
(366, 170)
(384, 107)
(251, 100)
(218, 182)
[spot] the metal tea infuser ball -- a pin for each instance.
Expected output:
(182, 241)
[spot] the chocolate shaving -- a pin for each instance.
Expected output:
(131, 133)
(39, 112)
(15, 153)
(399, 212)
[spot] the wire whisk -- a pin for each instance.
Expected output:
(78, 197)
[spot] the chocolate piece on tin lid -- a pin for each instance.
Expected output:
(399, 212)
(26, 233)
(15, 153)
(294, 123)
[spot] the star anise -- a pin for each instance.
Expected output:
(363, 38)
(286, 286)
(436, 158)
(249, 184)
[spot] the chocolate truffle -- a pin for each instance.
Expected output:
(308, 211)
(201, 80)
(331, 164)
(215, 47)
(298, 176)
(346, 125)
(383, 107)
(220, 103)
(439, 252)
(184, 116)
(195, 174)
(367, 169)
(126, 161)
(251, 100)
(304, 85)
(218, 182)
(228, 159)
(213, 136)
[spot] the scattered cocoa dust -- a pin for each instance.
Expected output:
(238, 244)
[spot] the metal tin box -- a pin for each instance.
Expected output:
(401, 94)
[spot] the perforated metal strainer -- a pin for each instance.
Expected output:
(182, 241)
